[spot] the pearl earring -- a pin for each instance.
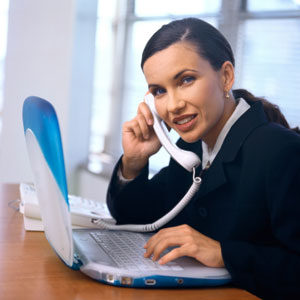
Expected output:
(227, 95)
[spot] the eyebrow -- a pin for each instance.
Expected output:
(175, 77)
(183, 71)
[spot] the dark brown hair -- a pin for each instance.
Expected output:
(272, 111)
(212, 46)
(210, 43)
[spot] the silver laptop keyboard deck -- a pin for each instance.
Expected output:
(126, 250)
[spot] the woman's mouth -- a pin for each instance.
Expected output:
(185, 123)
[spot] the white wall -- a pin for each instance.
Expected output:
(41, 61)
(92, 186)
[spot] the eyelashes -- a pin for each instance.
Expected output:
(184, 81)
(188, 79)
(158, 91)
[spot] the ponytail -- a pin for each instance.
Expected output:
(271, 110)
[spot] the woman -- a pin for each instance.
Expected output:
(246, 214)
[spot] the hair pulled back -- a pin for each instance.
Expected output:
(209, 42)
(210, 45)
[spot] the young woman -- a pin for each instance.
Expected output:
(246, 214)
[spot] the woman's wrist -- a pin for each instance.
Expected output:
(131, 168)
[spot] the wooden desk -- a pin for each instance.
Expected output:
(29, 269)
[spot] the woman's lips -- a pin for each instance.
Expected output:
(185, 122)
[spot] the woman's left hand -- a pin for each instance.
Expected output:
(189, 242)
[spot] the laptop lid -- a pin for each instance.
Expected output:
(45, 153)
(46, 157)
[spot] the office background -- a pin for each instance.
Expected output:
(84, 57)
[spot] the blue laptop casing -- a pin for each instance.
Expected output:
(45, 151)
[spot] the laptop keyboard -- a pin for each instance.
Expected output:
(126, 250)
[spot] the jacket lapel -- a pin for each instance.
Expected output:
(215, 176)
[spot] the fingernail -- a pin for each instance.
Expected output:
(149, 121)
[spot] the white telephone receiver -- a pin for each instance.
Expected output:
(41, 128)
(187, 159)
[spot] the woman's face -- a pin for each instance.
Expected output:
(189, 94)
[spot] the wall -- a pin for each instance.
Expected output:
(41, 60)
(92, 186)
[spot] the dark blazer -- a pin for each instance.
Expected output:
(249, 200)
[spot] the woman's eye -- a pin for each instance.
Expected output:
(158, 91)
(187, 79)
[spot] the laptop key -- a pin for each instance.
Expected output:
(126, 250)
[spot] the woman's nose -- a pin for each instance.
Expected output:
(175, 104)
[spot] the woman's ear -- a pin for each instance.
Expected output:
(227, 71)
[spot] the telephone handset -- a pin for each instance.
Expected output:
(49, 169)
(187, 159)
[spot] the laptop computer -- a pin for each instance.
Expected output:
(112, 257)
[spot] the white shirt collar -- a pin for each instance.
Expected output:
(208, 155)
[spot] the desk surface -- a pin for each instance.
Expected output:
(29, 269)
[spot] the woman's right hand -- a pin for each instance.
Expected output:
(139, 142)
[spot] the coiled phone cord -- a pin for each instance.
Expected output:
(160, 222)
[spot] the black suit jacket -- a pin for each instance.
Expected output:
(249, 200)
